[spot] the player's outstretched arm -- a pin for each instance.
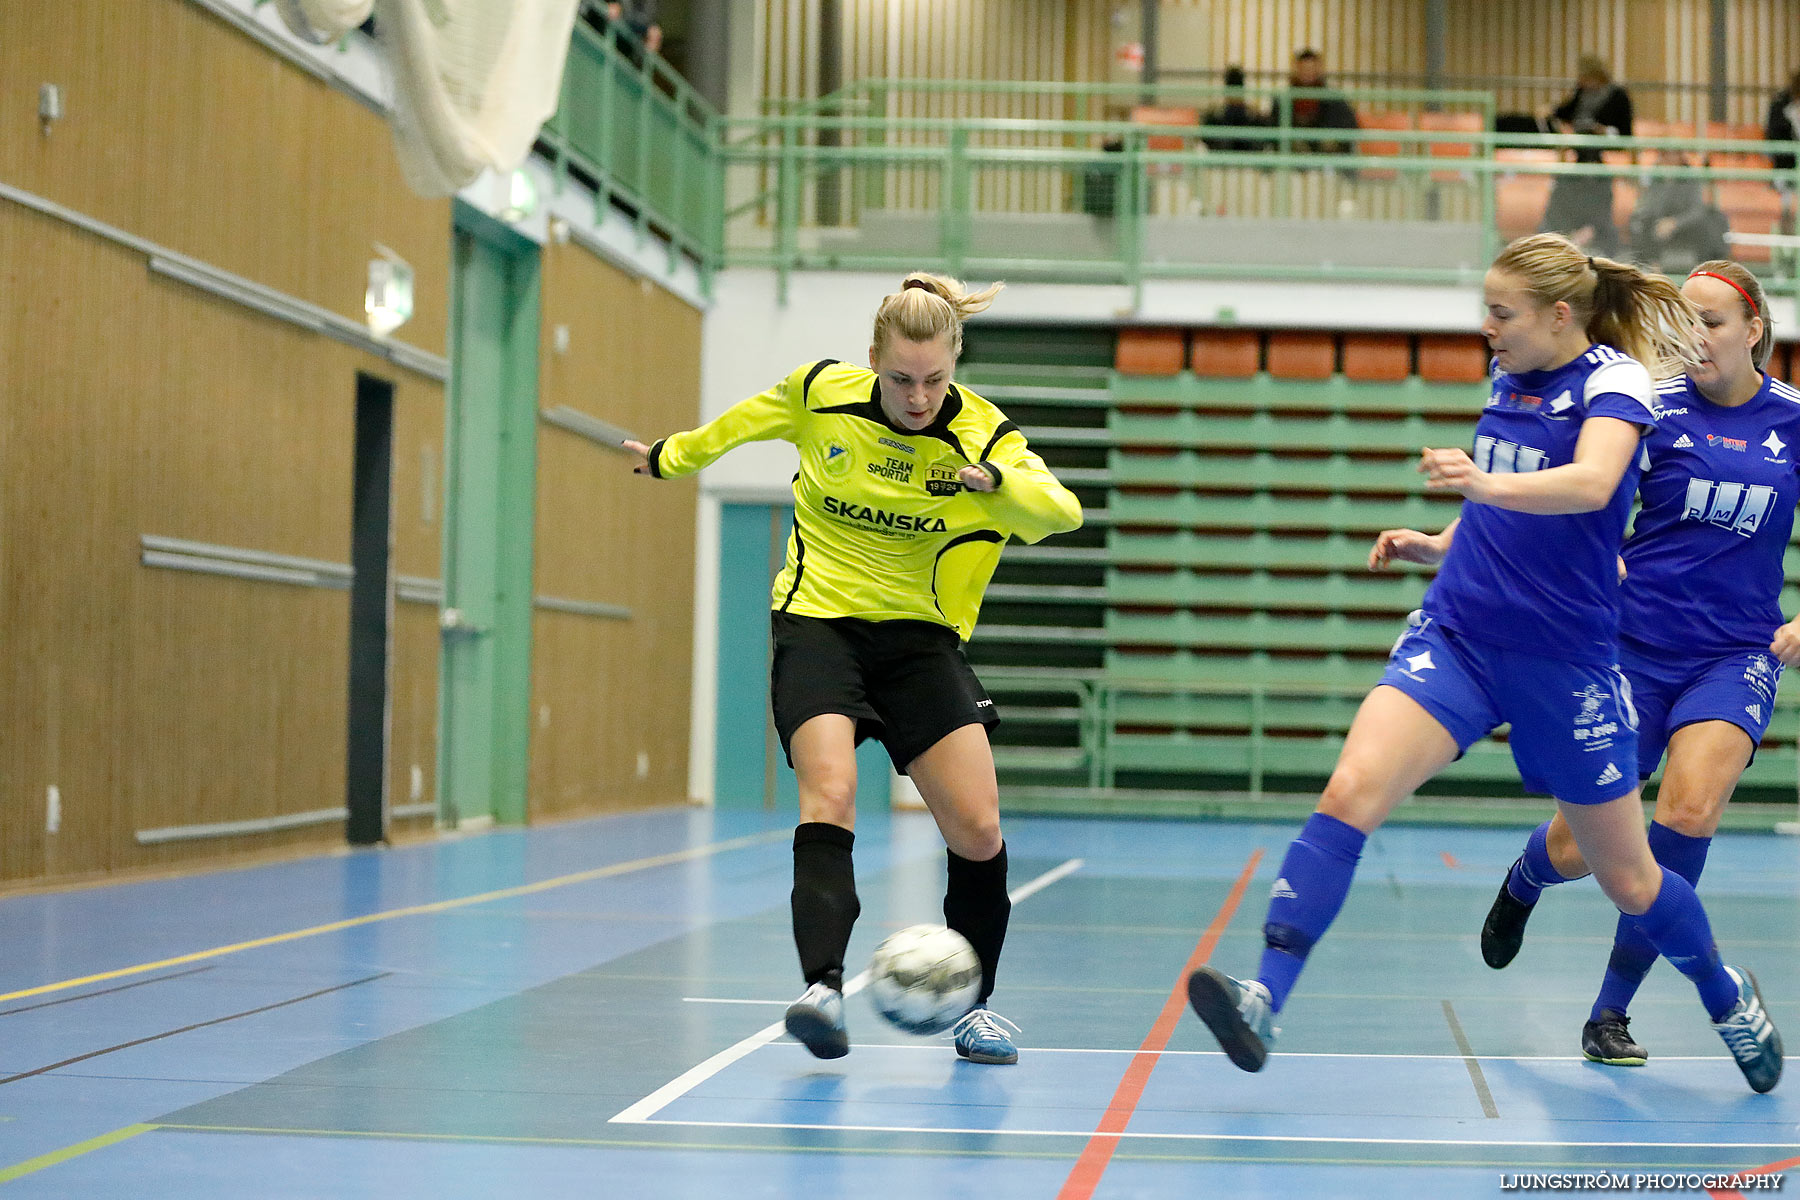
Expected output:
(763, 417)
(1031, 502)
(1409, 545)
(1602, 453)
(1786, 645)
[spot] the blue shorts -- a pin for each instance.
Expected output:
(1574, 730)
(1671, 691)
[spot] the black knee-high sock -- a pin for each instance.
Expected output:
(976, 905)
(824, 900)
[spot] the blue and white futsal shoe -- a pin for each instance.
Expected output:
(1240, 1015)
(816, 1020)
(980, 1038)
(1750, 1036)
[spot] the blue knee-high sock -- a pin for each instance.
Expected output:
(1676, 925)
(1315, 878)
(1632, 953)
(1533, 872)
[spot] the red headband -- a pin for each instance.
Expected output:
(1754, 311)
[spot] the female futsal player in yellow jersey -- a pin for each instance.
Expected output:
(908, 487)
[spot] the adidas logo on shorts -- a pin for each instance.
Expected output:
(1281, 891)
(1610, 775)
(1755, 711)
(1684, 442)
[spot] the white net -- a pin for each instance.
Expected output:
(473, 81)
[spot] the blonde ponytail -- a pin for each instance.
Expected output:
(1618, 305)
(926, 307)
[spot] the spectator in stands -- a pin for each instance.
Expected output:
(637, 25)
(1783, 125)
(1675, 228)
(1236, 112)
(1330, 111)
(1581, 205)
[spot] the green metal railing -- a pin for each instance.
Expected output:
(951, 176)
(633, 129)
(843, 182)
(1102, 761)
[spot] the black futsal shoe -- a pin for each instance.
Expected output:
(1608, 1041)
(1504, 930)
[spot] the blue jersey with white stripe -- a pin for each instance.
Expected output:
(1703, 564)
(1548, 585)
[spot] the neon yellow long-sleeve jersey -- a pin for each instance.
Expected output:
(883, 530)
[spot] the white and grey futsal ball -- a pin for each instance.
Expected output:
(924, 978)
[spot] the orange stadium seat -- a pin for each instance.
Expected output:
(1451, 123)
(1377, 357)
(1452, 358)
(1751, 206)
(1302, 355)
(1151, 114)
(1742, 132)
(1519, 204)
(1226, 353)
(1148, 352)
(1381, 119)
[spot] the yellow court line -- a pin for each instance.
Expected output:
(526, 889)
(76, 1151)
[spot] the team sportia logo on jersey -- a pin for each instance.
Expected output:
(899, 522)
(896, 469)
(1720, 441)
(941, 480)
(838, 460)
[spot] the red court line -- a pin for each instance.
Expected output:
(1084, 1177)
(1771, 1169)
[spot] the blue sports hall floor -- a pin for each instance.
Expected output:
(591, 1009)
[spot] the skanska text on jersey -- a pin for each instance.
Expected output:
(863, 514)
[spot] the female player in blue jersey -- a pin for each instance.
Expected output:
(1520, 626)
(1701, 635)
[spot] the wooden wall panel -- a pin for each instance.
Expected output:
(153, 698)
(130, 404)
(605, 691)
(182, 130)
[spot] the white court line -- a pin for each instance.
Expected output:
(1036, 1050)
(678, 1087)
(1227, 1137)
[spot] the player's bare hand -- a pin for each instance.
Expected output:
(1621, 568)
(1786, 645)
(1453, 471)
(1406, 545)
(642, 453)
(976, 479)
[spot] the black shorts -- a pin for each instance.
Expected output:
(904, 682)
